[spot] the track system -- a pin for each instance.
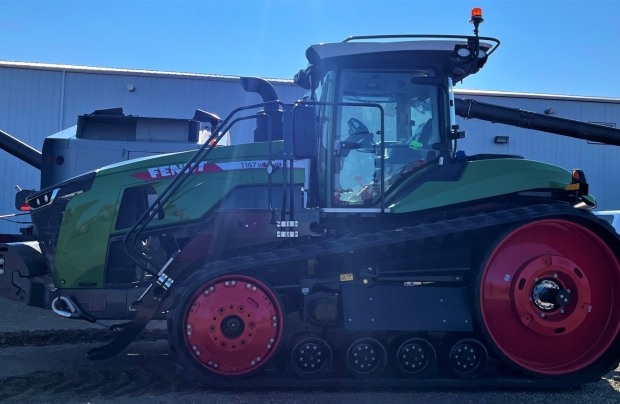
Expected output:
(533, 321)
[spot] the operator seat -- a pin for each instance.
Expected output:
(427, 133)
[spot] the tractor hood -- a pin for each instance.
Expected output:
(475, 180)
(92, 215)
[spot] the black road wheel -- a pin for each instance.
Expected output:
(416, 358)
(366, 358)
(468, 358)
(311, 358)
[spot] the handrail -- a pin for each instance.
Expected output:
(204, 150)
(148, 215)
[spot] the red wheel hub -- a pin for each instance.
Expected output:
(233, 325)
(551, 319)
(551, 336)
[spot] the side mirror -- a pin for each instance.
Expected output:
(305, 132)
(300, 132)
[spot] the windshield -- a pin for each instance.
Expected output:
(411, 127)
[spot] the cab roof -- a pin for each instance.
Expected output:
(402, 51)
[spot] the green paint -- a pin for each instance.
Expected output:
(89, 217)
(484, 179)
(83, 239)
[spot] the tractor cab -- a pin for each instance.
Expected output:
(385, 108)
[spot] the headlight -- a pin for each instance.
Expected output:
(64, 190)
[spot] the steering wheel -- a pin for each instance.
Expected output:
(356, 127)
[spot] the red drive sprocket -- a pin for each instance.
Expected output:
(546, 297)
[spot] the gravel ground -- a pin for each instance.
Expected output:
(143, 374)
(16, 316)
(60, 373)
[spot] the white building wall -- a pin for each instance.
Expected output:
(29, 110)
(167, 97)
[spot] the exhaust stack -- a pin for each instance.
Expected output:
(262, 87)
(268, 93)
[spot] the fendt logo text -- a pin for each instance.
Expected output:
(172, 170)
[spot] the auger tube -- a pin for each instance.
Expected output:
(469, 109)
(20, 150)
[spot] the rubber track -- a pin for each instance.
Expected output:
(388, 237)
(417, 232)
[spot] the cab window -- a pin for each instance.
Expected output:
(411, 127)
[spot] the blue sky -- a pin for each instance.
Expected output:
(560, 47)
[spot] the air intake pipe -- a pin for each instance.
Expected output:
(20, 150)
(268, 93)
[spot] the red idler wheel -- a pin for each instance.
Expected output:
(546, 297)
(233, 325)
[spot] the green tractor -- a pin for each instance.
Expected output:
(350, 238)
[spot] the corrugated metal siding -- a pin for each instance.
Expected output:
(162, 97)
(601, 163)
(29, 110)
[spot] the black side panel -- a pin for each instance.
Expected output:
(405, 308)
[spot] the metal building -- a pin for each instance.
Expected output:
(38, 100)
